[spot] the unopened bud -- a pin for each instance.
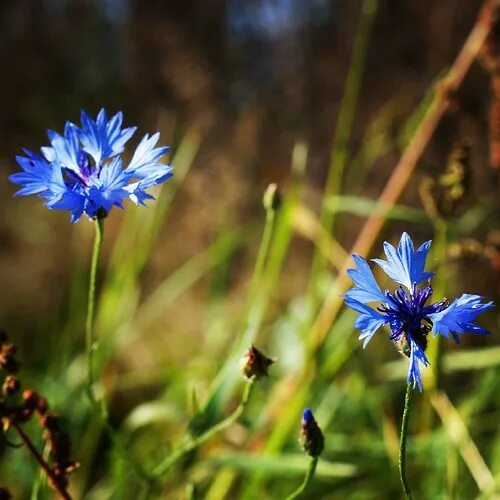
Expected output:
(254, 364)
(272, 197)
(311, 437)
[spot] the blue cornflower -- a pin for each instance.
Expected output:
(82, 170)
(405, 311)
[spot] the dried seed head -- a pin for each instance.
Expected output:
(254, 364)
(42, 405)
(30, 399)
(11, 385)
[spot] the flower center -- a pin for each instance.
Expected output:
(85, 171)
(408, 316)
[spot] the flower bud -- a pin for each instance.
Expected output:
(254, 364)
(311, 437)
(272, 197)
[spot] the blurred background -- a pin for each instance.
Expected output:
(248, 93)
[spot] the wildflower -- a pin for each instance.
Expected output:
(254, 364)
(82, 170)
(311, 437)
(405, 311)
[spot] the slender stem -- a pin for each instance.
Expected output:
(194, 443)
(309, 475)
(90, 342)
(254, 310)
(54, 482)
(402, 441)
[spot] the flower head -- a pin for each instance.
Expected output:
(311, 437)
(82, 170)
(254, 364)
(406, 310)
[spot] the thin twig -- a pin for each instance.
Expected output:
(43, 464)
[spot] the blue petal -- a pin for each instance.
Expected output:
(307, 416)
(368, 321)
(459, 317)
(103, 139)
(70, 200)
(108, 189)
(146, 156)
(36, 175)
(136, 194)
(366, 288)
(404, 265)
(65, 148)
(111, 176)
(417, 356)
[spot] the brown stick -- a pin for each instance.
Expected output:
(403, 170)
(43, 464)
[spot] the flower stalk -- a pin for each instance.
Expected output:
(402, 440)
(90, 341)
(307, 479)
(313, 443)
(194, 443)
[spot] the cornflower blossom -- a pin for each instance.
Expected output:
(82, 170)
(405, 310)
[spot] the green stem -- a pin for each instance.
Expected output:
(99, 404)
(194, 443)
(402, 441)
(90, 341)
(263, 253)
(309, 475)
(260, 287)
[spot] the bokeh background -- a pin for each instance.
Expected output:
(247, 92)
